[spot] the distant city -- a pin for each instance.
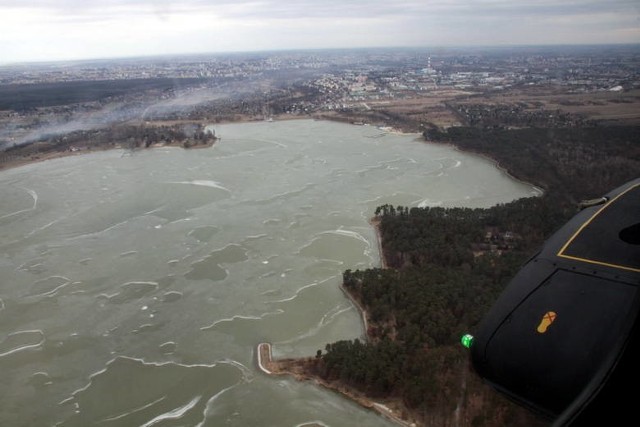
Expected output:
(424, 86)
(390, 70)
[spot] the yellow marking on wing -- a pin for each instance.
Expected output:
(546, 321)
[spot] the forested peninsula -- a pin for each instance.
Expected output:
(444, 267)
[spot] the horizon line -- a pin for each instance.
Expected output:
(315, 49)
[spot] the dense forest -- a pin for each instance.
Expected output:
(446, 266)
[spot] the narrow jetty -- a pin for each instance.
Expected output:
(264, 357)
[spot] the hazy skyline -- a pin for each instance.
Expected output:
(37, 30)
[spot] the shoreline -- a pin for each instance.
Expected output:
(296, 367)
(273, 367)
(495, 163)
(20, 161)
(31, 158)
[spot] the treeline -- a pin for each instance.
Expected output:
(20, 97)
(125, 136)
(444, 273)
(501, 116)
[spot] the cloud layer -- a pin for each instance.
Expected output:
(55, 29)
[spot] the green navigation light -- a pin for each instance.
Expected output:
(467, 340)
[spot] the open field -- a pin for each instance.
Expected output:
(612, 107)
(412, 113)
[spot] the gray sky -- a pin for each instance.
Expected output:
(73, 29)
